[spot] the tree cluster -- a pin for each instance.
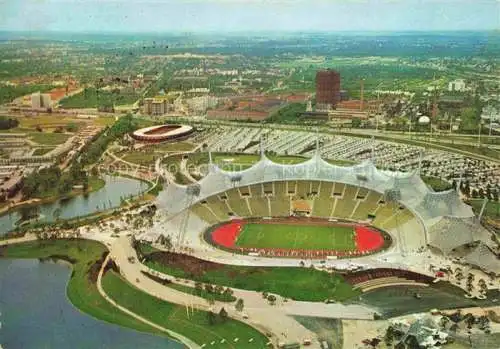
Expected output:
(214, 319)
(120, 128)
(51, 180)
(8, 123)
(288, 114)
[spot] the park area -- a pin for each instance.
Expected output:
(297, 238)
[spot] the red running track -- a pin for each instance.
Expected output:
(367, 239)
(226, 234)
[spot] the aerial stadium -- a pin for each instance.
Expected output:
(162, 133)
(316, 210)
(326, 220)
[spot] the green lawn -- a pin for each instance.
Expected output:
(89, 98)
(141, 158)
(48, 138)
(492, 208)
(195, 326)
(303, 284)
(81, 291)
(202, 293)
(174, 147)
(96, 183)
(182, 179)
(297, 236)
(437, 183)
(42, 151)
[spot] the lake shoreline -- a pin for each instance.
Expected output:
(79, 281)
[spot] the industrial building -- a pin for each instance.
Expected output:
(327, 89)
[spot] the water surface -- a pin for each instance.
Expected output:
(35, 313)
(107, 197)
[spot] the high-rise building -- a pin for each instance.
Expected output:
(327, 89)
(36, 101)
(40, 100)
(46, 100)
(147, 108)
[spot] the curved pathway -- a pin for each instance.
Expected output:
(185, 171)
(184, 340)
(263, 317)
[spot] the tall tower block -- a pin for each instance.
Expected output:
(327, 89)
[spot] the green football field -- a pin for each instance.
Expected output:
(307, 237)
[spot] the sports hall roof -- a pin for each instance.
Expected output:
(445, 217)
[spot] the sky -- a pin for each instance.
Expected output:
(247, 15)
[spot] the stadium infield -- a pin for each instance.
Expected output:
(293, 237)
(311, 237)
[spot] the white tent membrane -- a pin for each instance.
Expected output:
(449, 233)
(447, 220)
(482, 257)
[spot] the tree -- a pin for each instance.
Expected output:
(228, 292)
(240, 304)
(72, 127)
(65, 185)
(56, 214)
(165, 241)
(444, 322)
(29, 212)
(198, 286)
(209, 288)
(469, 119)
(211, 317)
(272, 299)
(454, 328)
(469, 320)
(219, 289)
(356, 122)
(85, 184)
(223, 315)
(389, 336)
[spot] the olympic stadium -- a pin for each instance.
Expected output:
(162, 133)
(216, 217)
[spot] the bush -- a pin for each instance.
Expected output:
(8, 123)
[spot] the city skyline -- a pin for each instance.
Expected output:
(247, 15)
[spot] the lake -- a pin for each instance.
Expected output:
(35, 313)
(107, 197)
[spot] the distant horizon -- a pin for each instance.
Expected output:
(248, 32)
(234, 16)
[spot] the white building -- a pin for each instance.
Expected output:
(40, 101)
(457, 85)
(490, 113)
(36, 101)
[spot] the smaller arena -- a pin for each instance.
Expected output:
(298, 238)
(162, 133)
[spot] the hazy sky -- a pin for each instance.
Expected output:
(248, 15)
